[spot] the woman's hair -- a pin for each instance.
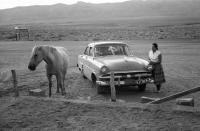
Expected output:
(155, 45)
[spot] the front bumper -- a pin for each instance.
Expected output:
(125, 82)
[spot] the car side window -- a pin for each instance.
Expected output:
(91, 51)
(86, 51)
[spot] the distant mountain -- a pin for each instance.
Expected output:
(82, 10)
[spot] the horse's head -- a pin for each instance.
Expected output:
(36, 57)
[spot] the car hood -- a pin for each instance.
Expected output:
(123, 63)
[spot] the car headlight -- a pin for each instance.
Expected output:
(104, 70)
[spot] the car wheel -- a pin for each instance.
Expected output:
(142, 87)
(99, 88)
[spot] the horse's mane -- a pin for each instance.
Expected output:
(33, 50)
(50, 49)
(39, 47)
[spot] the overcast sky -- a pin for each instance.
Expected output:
(13, 3)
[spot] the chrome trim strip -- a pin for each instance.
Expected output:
(119, 76)
(130, 72)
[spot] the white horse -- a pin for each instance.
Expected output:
(57, 61)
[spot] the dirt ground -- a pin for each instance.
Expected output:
(180, 63)
(39, 114)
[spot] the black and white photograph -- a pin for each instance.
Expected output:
(99, 65)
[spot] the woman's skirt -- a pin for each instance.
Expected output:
(158, 74)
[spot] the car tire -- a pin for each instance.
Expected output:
(99, 88)
(142, 87)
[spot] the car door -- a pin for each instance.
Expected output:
(82, 61)
(88, 67)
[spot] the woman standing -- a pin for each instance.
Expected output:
(155, 59)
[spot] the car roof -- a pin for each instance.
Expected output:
(105, 42)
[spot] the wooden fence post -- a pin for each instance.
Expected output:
(15, 83)
(112, 87)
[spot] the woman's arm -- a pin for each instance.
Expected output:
(157, 62)
(160, 58)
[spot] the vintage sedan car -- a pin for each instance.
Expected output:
(102, 58)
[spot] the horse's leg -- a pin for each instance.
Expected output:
(58, 84)
(63, 88)
(50, 84)
(63, 83)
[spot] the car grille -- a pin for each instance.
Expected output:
(128, 75)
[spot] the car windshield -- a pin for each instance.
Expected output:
(113, 49)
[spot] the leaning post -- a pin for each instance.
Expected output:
(15, 83)
(112, 87)
(174, 96)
